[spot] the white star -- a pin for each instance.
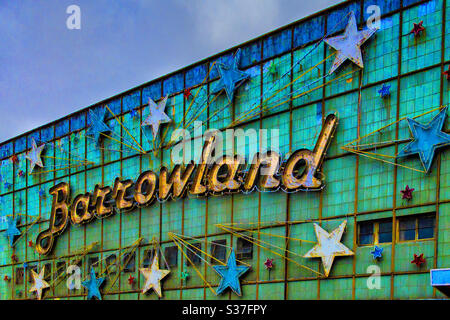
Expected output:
(157, 115)
(34, 155)
(329, 246)
(153, 276)
(39, 282)
(348, 45)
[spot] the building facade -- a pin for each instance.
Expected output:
(387, 135)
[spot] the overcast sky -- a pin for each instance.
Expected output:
(48, 71)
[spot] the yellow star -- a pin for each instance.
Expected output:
(153, 276)
(329, 246)
(39, 282)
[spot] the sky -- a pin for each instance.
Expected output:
(48, 71)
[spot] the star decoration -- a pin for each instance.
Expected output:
(377, 252)
(230, 274)
(30, 243)
(384, 91)
(93, 285)
(185, 275)
(34, 155)
(39, 282)
(7, 185)
(20, 173)
(447, 73)
(230, 75)
(11, 230)
(14, 258)
(25, 265)
(268, 264)
(97, 126)
(328, 246)
(417, 28)
(157, 115)
(348, 45)
(6, 278)
(130, 280)
(187, 93)
(153, 276)
(427, 138)
(418, 260)
(407, 193)
(41, 193)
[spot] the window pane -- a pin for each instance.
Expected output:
(366, 233)
(218, 250)
(244, 249)
(194, 254)
(407, 229)
(171, 255)
(385, 232)
(129, 262)
(426, 227)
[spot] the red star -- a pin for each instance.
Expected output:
(447, 73)
(418, 260)
(14, 159)
(187, 93)
(417, 29)
(268, 263)
(6, 278)
(407, 193)
(30, 243)
(130, 280)
(20, 173)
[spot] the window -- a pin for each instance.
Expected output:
(30, 274)
(374, 232)
(416, 228)
(92, 262)
(148, 257)
(218, 250)
(48, 271)
(244, 249)
(193, 254)
(366, 233)
(129, 261)
(19, 276)
(60, 268)
(171, 256)
(111, 266)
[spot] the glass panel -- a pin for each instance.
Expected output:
(385, 231)
(244, 249)
(426, 227)
(218, 250)
(193, 254)
(171, 255)
(366, 233)
(407, 229)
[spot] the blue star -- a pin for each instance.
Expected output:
(25, 265)
(93, 285)
(377, 252)
(230, 275)
(427, 138)
(7, 185)
(97, 124)
(384, 91)
(229, 76)
(11, 229)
